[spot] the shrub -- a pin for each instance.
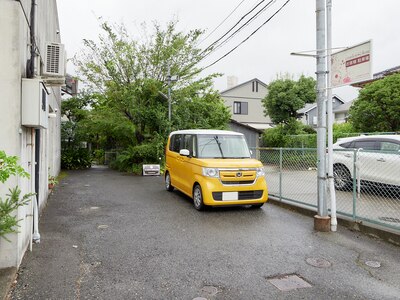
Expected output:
(99, 156)
(133, 158)
(75, 159)
(13, 200)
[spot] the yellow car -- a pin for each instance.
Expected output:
(214, 168)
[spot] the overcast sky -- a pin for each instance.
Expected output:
(265, 54)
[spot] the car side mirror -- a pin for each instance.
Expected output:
(184, 152)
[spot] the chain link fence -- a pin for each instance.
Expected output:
(367, 184)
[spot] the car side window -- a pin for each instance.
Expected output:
(365, 145)
(389, 146)
(187, 143)
(347, 145)
(171, 143)
(176, 142)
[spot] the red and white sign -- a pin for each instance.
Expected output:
(351, 65)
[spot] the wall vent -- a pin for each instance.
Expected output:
(54, 65)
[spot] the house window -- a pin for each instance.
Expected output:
(254, 86)
(240, 108)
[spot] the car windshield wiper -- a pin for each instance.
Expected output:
(219, 145)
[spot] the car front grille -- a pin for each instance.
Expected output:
(243, 182)
(238, 177)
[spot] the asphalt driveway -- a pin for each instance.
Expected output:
(108, 235)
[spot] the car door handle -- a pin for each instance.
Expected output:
(381, 159)
(348, 155)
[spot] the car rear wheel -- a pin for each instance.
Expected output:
(342, 178)
(198, 198)
(168, 185)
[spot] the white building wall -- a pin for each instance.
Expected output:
(16, 139)
(245, 93)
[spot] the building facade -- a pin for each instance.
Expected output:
(245, 103)
(30, 107)
(308, 114)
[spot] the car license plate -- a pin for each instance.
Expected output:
(229, 196)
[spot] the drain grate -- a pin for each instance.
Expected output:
(288, 282)
(390, 219)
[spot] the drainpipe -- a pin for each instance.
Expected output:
(331, 183)
(35, 237)
(31, 69)
(35, 200)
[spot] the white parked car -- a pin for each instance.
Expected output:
(377, 161)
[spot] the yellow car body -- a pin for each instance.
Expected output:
(233, 180)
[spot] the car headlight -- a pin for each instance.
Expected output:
(260, 172)
(211, 172)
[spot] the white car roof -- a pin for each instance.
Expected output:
(205, 131)
(368, 137)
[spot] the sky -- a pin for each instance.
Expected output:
(266, 54)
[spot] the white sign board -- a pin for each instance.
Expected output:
(351, 65)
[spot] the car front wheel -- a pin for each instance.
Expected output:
(168, 185)
(198, 198)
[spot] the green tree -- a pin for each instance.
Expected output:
(132, 76)
(377, 106)
(286, 96)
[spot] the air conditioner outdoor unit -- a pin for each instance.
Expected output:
(54, 64)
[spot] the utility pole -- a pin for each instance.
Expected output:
(170, 78)
(169, 92)
(321, 221)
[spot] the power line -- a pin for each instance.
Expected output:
(223, 21)
(237, 23)
(237, 46)
(257, 14)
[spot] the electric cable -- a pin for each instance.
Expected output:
(237, 46)
(223, 21)
(237, 23)
(255, 16)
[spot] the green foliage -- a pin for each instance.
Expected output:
(133, 158)
(378, 105)
(291, 135)
(75, 159)
(9, 167)
(286, 96)
(128, 79)
(8, 221)
(98, 156)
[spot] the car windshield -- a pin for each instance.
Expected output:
(222, 146)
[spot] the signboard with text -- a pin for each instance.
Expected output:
(351, 65)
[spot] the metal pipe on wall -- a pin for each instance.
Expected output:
(321, 108)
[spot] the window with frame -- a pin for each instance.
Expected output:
(389, 146)
(175, 143)
(255, 86)
(365, 145)
(189, 144)
(240, 108)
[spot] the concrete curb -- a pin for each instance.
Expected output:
(7, 277)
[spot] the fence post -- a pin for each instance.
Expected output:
(280, 174)
(354, 184)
